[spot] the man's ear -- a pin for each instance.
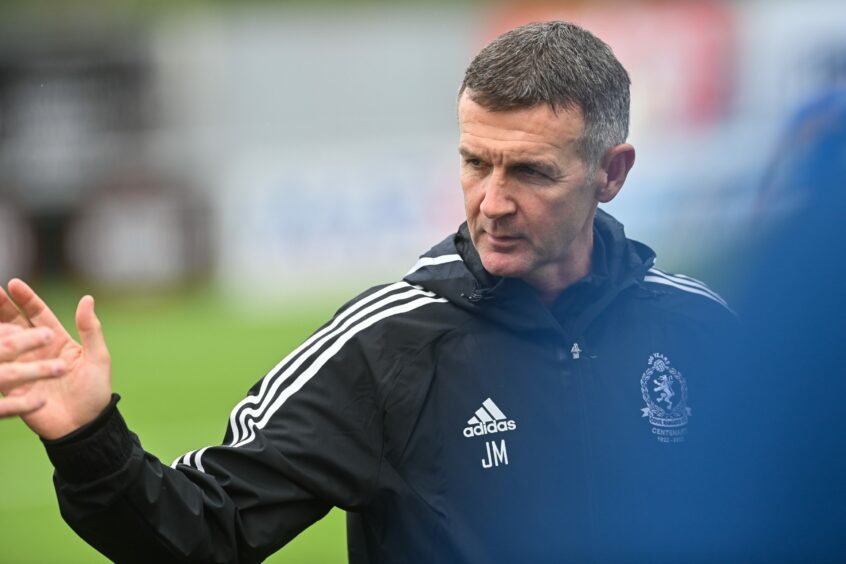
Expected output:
(613, 170)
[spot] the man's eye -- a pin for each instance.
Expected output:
(475, 165)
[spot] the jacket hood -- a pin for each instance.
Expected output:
(453, 270)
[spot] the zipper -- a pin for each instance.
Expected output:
(580, 371)
(575, 351)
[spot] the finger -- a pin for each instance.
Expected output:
(14, 374)
(91, 330)
(9, 312)
(9, 328)
(33, 307)
(20, 405)
(17, 343)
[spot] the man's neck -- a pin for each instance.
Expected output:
(553, 280)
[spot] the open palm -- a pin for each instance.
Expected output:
(81, 386)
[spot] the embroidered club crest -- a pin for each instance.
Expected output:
(665, 393)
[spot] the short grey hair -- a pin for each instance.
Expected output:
(560, 64)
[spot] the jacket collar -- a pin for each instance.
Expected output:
(453, 269)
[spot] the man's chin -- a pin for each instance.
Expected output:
(504, 266)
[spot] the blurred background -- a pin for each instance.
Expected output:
(222, 176)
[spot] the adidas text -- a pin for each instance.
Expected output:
(489, 428)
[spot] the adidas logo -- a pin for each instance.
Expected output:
(488, 419)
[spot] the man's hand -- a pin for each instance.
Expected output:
(56, 384)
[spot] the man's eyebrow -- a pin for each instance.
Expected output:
(542, 166)
(465, 152)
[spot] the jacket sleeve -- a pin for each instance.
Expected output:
(306, 438)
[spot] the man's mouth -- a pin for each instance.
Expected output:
(501, 239)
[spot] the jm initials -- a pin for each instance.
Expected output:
(496, 454)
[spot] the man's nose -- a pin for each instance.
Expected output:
(497, 201)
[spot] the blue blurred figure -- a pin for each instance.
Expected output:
(808, 170)
(787, 436)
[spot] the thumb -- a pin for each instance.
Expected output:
(90, 330)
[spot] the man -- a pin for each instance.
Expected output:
(522, 394)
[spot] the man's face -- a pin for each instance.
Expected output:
(529, 198)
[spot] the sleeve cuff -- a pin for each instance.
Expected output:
(94, 451)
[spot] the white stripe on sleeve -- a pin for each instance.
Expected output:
(690, 289)
(240, 429)
(431, 261)
(307, 374)
(266, 381)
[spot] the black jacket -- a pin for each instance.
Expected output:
(453, 415)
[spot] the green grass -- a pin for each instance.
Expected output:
(181, 362)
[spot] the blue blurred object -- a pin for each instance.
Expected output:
(786, 443)
(810, 161)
